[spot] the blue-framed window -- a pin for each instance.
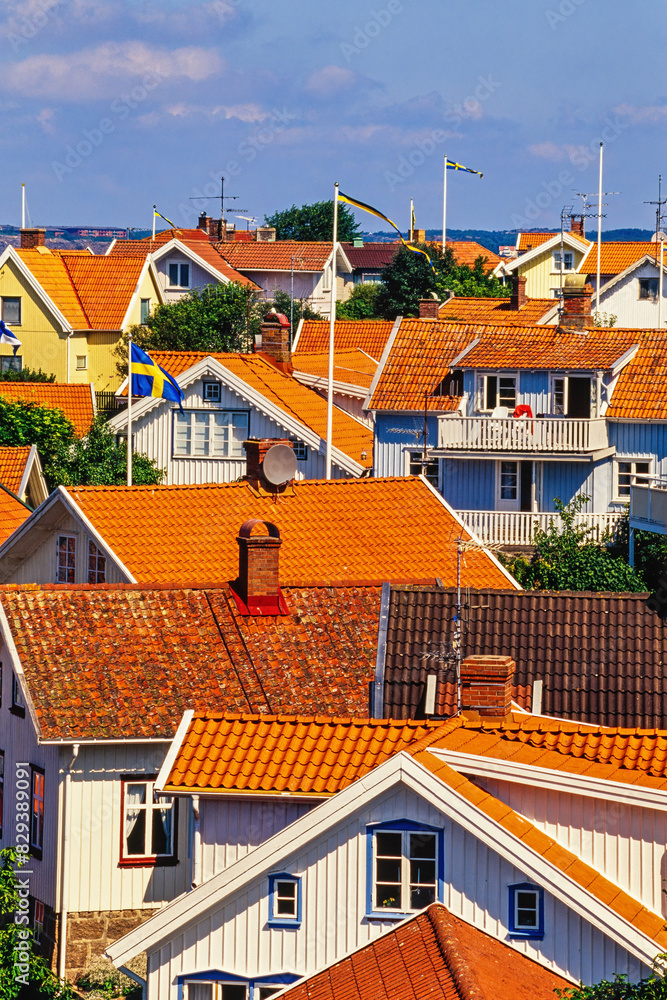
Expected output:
(215, 985)
(526, 910)
(284, 900)
(405, 862)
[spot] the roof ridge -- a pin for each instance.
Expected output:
(463, 975)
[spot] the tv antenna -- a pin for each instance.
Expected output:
(658, 211)
(247, 218)
(223, 198)
(586, 204)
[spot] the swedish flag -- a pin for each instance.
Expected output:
(148, 379)
(459, 166)
(373, 211)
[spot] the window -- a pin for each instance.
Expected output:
(212, 434)
(179, 275)
(405, 859)
(18, 705)
(300, 450)
(223, 986)
(285, 900)
(145, 311)
(38, 921)
(568, 261)
(326, 279)
(97, 564)
(11, 364)
(81, 362)
(431, 469)
(497, 390)
(37, 812)
(371, 277)
(212, 392)
(451, 385)
(648, 288)
(217, 991)
(2, 788)
(526, 911)
(148, 824)
(66, 559)
(509, 480)
(11, 311)
(264, 992)
(559, 391)
(625, 471)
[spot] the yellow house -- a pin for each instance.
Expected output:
(547, 262)
(69, 308)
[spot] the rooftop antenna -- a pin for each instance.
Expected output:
(223, 198)
(658, 227)
(247, 218)
(586, 204)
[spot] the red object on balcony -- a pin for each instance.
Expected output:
(523, 411)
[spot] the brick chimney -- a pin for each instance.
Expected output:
(577, 299)
(419, 236)
(577, 225)
(32, 238)
(275, 341)
(202, 222)
(256, 449)
(518, 296)
(429, 308)
(257, 588)
(486, 685)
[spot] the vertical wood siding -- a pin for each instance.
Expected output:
(623, 300)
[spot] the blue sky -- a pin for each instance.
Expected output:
(111, 105)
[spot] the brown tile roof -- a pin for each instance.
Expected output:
(121, 662)
(276, 256)
(75, 401)
(495, 310)
(641, 390)
(648, 923)
(604, 662)
(13, 463)
(335, 532)
(367, 335)
(467, 252)
(417, 364)
(548, 347)
(432, 956)
(277, 754)
(351, 367)
(615, 257)
(349, 435)
(371, 256)
(12, 514)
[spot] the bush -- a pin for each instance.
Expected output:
(361, 304)
(101, 980)
(26, 375)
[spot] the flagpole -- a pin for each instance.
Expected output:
(444, 207)
(597, 283)
(660, 281)
(154, 210)
(412, 215)
(332, 324)
(23, 206)
(129, 411)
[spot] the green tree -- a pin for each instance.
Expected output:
(314, 223)
(567, 558)
(26, 375)
(24, 974)
(409, 277)
(362, 303)
(281, 303)
(652, 988)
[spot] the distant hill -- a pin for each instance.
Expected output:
(494, 238)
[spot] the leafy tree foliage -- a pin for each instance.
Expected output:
(409, 278)
(26, 375)
(97, 460)
(24, 974)
(567, 558)
(652, 988)
(281, 303)
(362, 303)
(314, 223)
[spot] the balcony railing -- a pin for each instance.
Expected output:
(515, 528)
(522, 434)
(648, 504)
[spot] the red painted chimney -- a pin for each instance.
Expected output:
(32, 238)
(486, 685)
(577, 225)
(275, 341)
(257, 589)
(518, 296)
(429, 309)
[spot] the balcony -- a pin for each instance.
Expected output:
(559, 437)
(512, 528)
(648, 504)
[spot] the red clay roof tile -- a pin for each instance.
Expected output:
(13, 463)
(367, 335)
(75, 401)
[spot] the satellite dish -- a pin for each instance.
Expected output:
(279, 465)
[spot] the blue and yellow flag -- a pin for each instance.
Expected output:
(373, 211)
(161, 216)
(148, 379)
(459, 166)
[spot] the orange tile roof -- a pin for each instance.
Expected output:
(650, 924)
(75, 401)
(349, 435)
(276, 256)
(202, 247)
(637, 757)
(13, 463)
(529, 241)
(641, 390)
(334, 532)
(12, 514)
(615, 257)
(163, 236)
(277, 754)
(417, 364)
(50, 272)
(367, 335)
(495, 310)
(432, 956)
(467, 252)
(351, 367)
(547, 347)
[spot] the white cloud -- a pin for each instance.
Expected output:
(634, 115)
(101, 71)
(251, 113)
(330, 80)
(46, 119)
(548, 151)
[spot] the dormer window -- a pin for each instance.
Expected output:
(212, 392)
(564, 261)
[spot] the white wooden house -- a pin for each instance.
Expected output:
(633, 295)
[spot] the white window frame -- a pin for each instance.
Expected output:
(180, 264)
(481, 388)
(409, 464)
(144, 307)
(216, 987)
(73, 538)
(210, 385)
(554, 377)
(648, 298)
(630, 460)
(326, 278)
(14, 298)
(152, 803)
(197, 417)
(81, 362)
(509, 505)
(405, 858)
(557, 266)
(100, 569)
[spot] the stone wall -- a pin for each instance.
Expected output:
(89, 934)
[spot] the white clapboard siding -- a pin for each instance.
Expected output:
(95, 880)
(235, 938)
(622, 300)
(624, 843)
(199, 276)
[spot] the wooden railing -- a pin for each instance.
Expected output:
(648, 504)
(516, 528)
(527, 434)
